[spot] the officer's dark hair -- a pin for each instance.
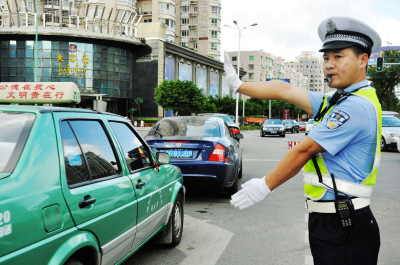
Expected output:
(358, 50)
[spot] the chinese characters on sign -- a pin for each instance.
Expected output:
(30, 91)
(72, 68)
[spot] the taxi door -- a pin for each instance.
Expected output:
(100, 198)
(151, 185)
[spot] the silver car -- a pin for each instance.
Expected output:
(390, 132)
(272, 127)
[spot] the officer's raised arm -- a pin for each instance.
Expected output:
(278, 90)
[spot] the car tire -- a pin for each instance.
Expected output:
(73, 262)
(177, 221)
(383, 144)
(229, 191)
(261, 134)
(241, 171)
(306, 133)
(292, 130)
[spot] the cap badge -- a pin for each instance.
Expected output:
(330, 26)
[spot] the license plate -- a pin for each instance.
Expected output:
(180, 153)
(273, 131)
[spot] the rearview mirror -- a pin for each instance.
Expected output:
(239, 136)
(163, 157)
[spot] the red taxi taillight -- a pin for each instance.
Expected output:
(235, 130)
(218, 154)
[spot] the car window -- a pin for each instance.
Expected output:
(136, 154)
(185, 128)
(390, 122)
(14, 131)
(288, 122)
(228, 132)
(311, 121)
(88, 152)
(272, 122)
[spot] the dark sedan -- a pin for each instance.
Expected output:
(203, 147)
(272, 127)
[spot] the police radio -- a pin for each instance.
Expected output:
(344, 207)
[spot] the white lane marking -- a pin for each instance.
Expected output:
(263, 160)
(202, 242)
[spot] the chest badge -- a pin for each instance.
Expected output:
(337, 119)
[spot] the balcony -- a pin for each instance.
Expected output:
(194, 2)
(193, 14)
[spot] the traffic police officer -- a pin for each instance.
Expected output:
(340, 156)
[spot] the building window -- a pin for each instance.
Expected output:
(196, 9)
(251, 58)
(127, 2)
(214, 22)
(214, 34)
(195, 45)
(147, 20)
(170, 23)
(184, 21)
(147, 7)
(195, 33)
(234, 58)
(185, 44)
(214, 46)
(251, 75)
(184, 33)
(251, 66)
(184, 9)
(195, 21)
(215, 10)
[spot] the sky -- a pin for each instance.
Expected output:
(288, 27)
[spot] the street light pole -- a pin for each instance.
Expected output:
(238, 66)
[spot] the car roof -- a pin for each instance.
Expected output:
(194, 118)
(46, 109)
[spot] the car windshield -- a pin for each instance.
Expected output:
(14, 130)
(226, 118)
(181, 128)
(390, 121)
(288, 122)
(273, 122)
(302, 123)
(311, 121)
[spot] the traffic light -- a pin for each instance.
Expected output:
(379, 64)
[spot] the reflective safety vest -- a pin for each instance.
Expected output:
(316, 190)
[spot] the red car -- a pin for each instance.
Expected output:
(302, 126)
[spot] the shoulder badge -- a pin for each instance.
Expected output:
(337, 119)
(330, 26)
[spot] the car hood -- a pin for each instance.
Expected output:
(273, 125)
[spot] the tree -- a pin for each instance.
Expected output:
(385, 82)
(179, 96)
(137, 101)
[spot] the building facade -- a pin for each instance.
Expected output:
(195, 24)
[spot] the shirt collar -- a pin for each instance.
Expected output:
(356, 86)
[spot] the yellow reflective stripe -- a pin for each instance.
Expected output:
(343, 186)
(314, 192)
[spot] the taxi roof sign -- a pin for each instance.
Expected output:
(39, 92)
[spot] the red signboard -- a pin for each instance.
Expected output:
(286, 114)
(255, 120)
(203, 38)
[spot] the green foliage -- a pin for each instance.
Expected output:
(385, 82)
(250, 127)
(180, 96)
(147, 120)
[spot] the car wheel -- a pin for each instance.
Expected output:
(298, 130)
(261, 134)
(177, 221)
(241, 171)
(229, 191)
(306, 133)
(293, 130)
(73, 262)
(383, 144)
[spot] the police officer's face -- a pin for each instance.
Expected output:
(345, 67)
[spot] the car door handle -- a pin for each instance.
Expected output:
(84, 203)
(140, 184)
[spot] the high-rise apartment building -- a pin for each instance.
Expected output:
(195, 24)
(310, 64)
(259, 65)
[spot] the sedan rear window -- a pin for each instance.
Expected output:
(185, 128)
(14, 131)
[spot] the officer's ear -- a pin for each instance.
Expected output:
(363, 58)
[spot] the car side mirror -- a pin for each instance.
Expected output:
(163, 157)
(239, 136)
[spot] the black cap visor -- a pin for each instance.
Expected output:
(336, 45)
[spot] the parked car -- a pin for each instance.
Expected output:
(398, 145)
(291, 126)
(390, 132)
(272, 127)
(390, 113)
(228, 119)
(310, 124)
(79, 186)
(203, 147)
(302, 126)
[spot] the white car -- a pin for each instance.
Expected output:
(309, 125)
(398, 145)
(390, 132)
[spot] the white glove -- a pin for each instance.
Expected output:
(232, 78)
(252, 192)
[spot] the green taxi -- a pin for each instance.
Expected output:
(79, 186)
